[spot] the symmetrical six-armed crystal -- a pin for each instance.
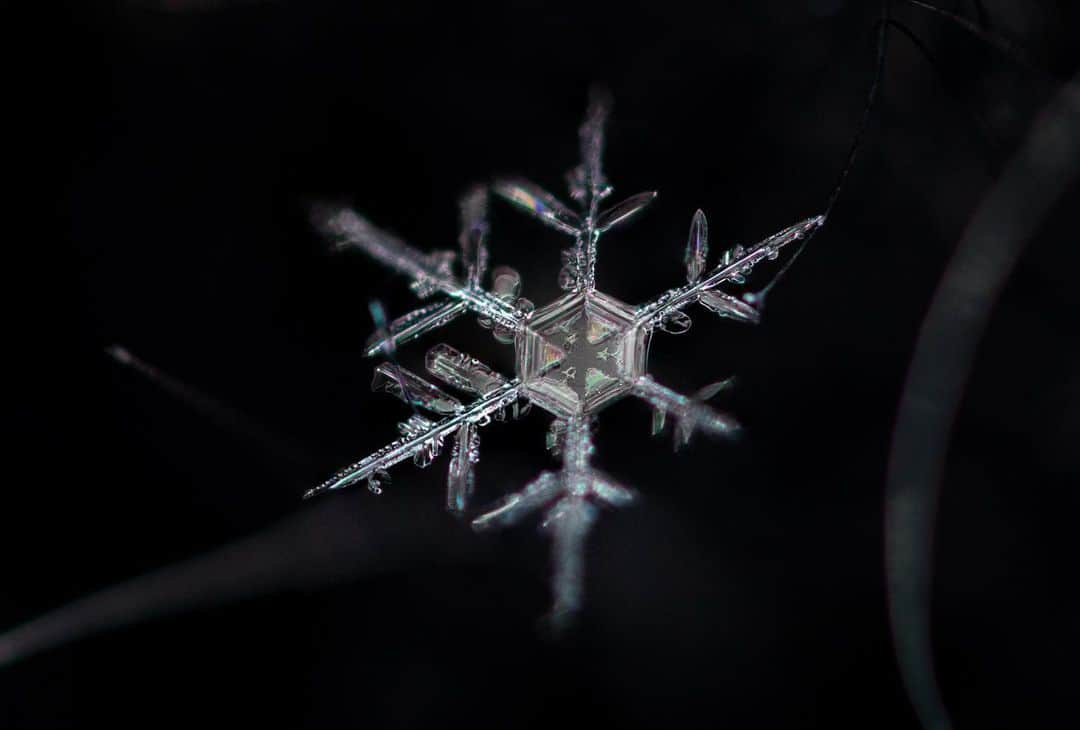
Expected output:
(574, 356)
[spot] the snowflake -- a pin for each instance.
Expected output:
(574, 357)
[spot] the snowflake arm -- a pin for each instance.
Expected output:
(429, 273)
(690, 412)
(568, 522)
(569, 500)
(515, 507)
(474, 233)
(588, 187)
(423, 440)
(461, 480)
(351, 230)
(735, 264)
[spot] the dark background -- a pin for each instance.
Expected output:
(174, 147)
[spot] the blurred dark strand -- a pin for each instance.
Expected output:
(993, 153)
(1011, 212)
(1006, 47)
(275, 448)
(880, 53)
(321, 546)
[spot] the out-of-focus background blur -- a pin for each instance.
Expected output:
(175, 147)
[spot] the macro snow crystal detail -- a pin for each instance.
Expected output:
(573, 357)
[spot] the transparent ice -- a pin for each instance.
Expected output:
(574, 356)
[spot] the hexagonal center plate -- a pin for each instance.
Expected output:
(580, 353)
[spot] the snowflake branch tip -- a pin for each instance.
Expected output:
(568, 522)
(539, 203)
(461, 479)
(624, 211)
(691, 412)
(473, 237)
(422, 441)
(612, 494)
(515, 507)
(409, 327)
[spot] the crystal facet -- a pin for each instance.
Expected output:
(579, 353)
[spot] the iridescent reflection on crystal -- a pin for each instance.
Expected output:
(573, 357)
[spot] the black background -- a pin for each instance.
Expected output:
(175, 147)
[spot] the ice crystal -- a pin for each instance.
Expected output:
(574, 357)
